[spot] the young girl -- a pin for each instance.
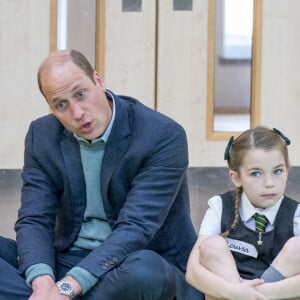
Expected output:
(235, 259)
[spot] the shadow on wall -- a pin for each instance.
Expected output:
(204, 182)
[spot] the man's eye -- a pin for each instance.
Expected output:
(60, 105)
(80, 94)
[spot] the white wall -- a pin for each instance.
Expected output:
(182, 76)
(182, 69)
(281, 70)
(130, 51)
(81, 28)
(24, 40)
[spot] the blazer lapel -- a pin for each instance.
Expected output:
(115, 149)
(118, 142)
(71, 152)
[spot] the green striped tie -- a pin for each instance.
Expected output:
(260, 222)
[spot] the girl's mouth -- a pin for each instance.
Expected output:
(268, 196)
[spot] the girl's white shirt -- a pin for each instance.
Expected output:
(211, 223)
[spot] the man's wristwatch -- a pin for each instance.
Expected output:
(65, 288)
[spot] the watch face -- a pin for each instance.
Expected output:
(65, 288)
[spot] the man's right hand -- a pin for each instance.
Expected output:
(41, 287)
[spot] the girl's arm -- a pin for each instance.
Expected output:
(284, 289)
(214, 283)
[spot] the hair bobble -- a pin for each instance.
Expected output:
(228, 148)
(285, 138)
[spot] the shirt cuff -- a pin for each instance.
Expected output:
(37, 270)
(86, 279)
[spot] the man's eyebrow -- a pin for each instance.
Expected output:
(57, 99)
(76, 87)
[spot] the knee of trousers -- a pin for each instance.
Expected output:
(8, 251)
(148, 270)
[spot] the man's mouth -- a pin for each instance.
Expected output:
(86, 126)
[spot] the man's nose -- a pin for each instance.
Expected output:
(77, 110)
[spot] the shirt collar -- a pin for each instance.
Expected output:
(106, 133)
(247, 210)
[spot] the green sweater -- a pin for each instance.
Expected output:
(95, 227)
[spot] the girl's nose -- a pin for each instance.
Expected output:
(269, 182)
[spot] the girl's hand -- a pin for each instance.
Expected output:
(246, 290)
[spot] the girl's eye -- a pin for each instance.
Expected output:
(278, 171)
(255, 174)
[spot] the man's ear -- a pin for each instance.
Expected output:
(98, 80)
(235, 178)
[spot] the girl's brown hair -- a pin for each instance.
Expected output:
(256, 138)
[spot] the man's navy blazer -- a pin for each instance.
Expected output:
(143, 186)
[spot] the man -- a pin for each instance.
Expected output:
(105, 206)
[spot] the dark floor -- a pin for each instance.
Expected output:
(10, 188)
(203, 182)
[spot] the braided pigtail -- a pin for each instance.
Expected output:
(237, 149)
(236, 219)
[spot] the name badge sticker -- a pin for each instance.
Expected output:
(242, 247)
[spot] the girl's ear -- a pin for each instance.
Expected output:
(235, 178)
